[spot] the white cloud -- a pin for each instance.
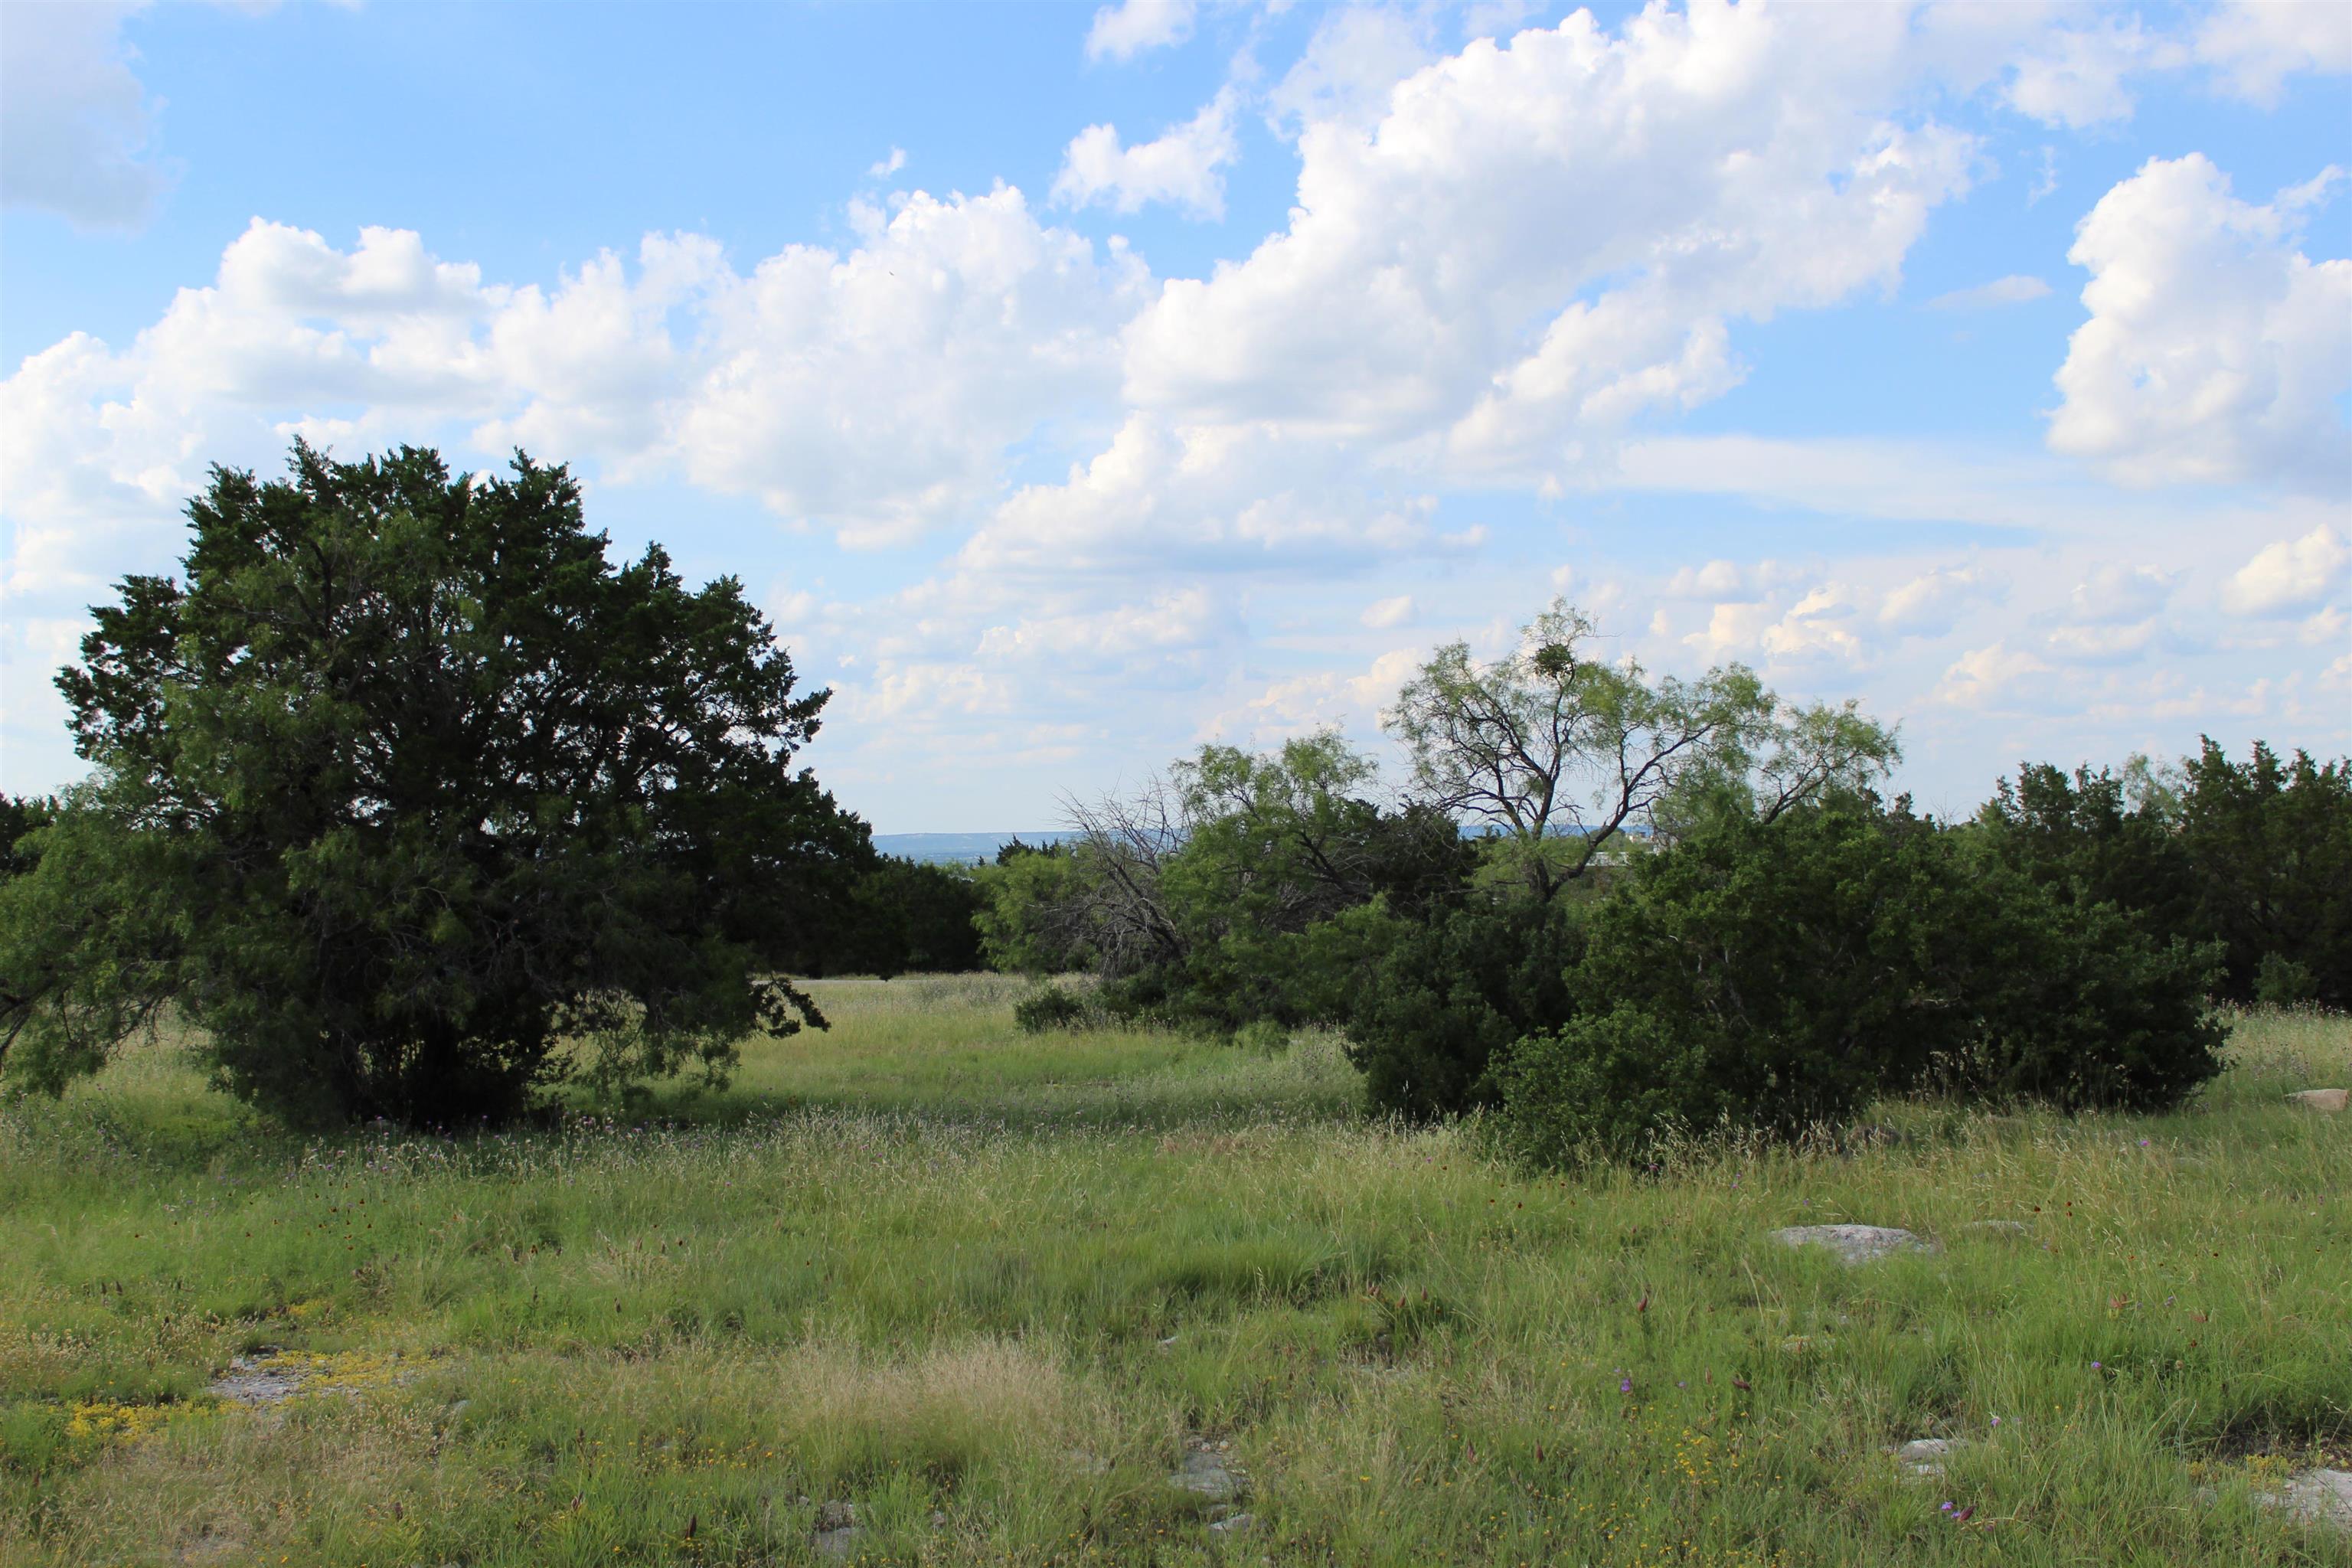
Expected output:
(1989, 676)
(1206, 497)
(1185, 618)
(1816, 629)
(2215, 349)
(1179, 167)
(1560, 180)
(2110, 594)
(874, 390)
(883, 168)
(1132, 26)
(1931, 604)
(2017, 288)
(1350, 67)
(1382, 613)
(2254, 45)
(74, 120)
(2290, 577)
(2074, 76)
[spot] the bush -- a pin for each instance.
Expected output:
(1048, 1007)
(1262, 1036)
(2281, 982)
(1438, 998)
(1778, 976)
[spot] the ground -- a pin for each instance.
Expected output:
(992, 1291)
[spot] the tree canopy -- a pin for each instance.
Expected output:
(415, 803)
(1558, 749)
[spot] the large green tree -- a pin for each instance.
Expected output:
(412, 804)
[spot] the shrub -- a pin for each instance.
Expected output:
(1262, 1036)
(1438, 998)
(2281, 982)
(1776, 975)
(1048, 1007)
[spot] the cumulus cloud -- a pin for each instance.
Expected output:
(2291, 576)
(1931, 604)
(1560, 178)
(1989, 676)
(2110, 594)
(874, 390)
(1179, 167)
(1382, 613)
(2076, 76)
(2254, 45)
(2215, 349)
(1133, 26)
(74, 120)
(2017, 288)
(1206, 497)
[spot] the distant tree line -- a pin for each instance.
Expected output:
(1691, 910)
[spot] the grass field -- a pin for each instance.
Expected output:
(988, 1289)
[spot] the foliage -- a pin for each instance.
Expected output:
(19, 816)
(1432, 1002)
(2271, 839)
(901, 916)
(1775, 974)
(1028, 914)
(1560, 751)
(2256, 854)
(1201, 897)
(1047, 1007)
(407, 786)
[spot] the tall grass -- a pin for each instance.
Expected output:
(988, 1286)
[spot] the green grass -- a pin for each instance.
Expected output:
(987, 1286)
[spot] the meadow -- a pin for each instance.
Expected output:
(993, 1290)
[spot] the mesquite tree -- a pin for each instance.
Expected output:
(1559, 751)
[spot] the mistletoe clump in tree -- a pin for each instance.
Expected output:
(413, 805)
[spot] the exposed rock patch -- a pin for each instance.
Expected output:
(2330, 1100)
(2321, 1496)
(1853, 1243)
(263, 1381)
(1206, 1473)
(1924, 1457)
(836, 1529)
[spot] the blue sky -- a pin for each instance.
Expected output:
(1077, 384)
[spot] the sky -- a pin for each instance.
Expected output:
(1074, 386)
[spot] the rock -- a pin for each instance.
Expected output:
(1853, 1243)
(2321, 1496)
(836, 1529)
(1234, 1524)
(1205, 1475)
(2320, 1099)
(2005, 1230)
(1925, 1456)
(250, 1381)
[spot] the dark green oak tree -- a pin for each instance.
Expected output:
(412, 804)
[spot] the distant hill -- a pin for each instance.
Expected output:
(962, 848)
